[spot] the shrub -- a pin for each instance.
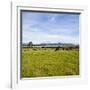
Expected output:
(57, 48)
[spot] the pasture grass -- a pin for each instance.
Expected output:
(47, 62)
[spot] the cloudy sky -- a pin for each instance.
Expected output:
(42, 27)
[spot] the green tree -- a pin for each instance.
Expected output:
(30, 44)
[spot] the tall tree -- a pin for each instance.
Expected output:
(30, 44)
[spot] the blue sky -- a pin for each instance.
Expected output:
(40, 27)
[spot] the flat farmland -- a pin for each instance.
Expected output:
(45, 62)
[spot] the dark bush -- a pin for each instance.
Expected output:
(42, 47)
(57, 48)
(63, 48)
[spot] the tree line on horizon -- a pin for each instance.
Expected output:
(67, 46)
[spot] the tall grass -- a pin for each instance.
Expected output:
(48, 62)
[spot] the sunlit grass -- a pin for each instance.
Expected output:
(48, 62)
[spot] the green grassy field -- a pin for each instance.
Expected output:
(48, 62)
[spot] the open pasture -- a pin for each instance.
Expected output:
(45, 62)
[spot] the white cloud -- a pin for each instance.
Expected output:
(39, 28)
(40, 37)
(64, 38)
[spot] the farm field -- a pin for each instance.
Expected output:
(45, 62)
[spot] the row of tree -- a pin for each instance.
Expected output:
(53, 45)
